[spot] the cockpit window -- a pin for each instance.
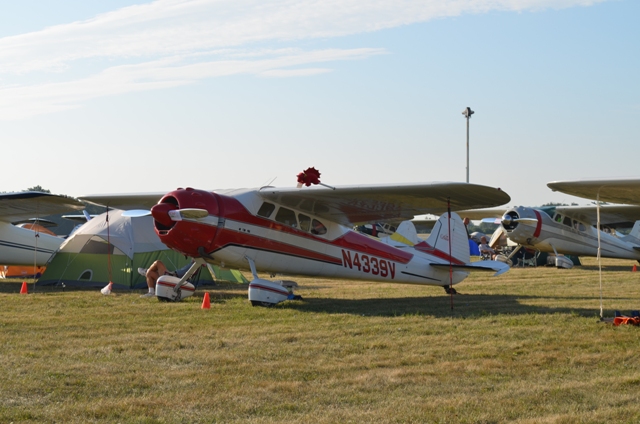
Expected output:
(266, 209)
(286, 217)
(558, 218)
(318, 228)
(305, 222)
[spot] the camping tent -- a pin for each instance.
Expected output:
(111, 247)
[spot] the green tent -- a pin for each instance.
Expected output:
(111, 247)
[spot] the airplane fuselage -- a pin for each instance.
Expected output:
(20, 246)
(283, 239)
(566, 235)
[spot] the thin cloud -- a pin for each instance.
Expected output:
(286, 73)
(175, 42)
(171, 27)
(20, 102)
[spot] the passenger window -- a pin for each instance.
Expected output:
(581, 227)
(266, 210)
(287, 217)
(305, 222)
(318, 228)
(567, 221)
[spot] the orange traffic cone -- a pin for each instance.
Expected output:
(23, 289)
(206, 303)
(634, 269)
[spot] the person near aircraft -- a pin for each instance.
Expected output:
(485, 249)
(156, 270)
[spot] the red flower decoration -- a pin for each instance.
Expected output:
(309, 176)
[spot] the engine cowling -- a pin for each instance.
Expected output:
(186, 237)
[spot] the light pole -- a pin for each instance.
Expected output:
(467, 113)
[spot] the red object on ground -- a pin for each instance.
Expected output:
(23, 289)
(206, 303)
(626, 320)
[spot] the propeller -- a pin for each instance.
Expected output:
(188, 213)
(510, 221)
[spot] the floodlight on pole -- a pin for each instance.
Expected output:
(467, 113)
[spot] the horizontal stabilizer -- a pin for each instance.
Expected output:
(496, 266)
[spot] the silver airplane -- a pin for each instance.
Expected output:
(569, 230)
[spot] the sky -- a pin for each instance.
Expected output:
(119, 96)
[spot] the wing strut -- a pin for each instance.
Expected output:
(450, 258)
(599, 262)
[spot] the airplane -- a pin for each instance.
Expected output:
(21, 246)
(309, 231)
(569, 230)
(615, 190)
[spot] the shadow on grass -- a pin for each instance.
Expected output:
(462, 306)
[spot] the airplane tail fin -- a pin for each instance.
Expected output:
(438, 245)
(634, 234)
(406, 234)
(444, 241)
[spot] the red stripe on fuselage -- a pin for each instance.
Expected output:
(536, 233)
(426, 248)
(235, 211)
(228, 238)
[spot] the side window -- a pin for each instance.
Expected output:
(581, 227)
(558, 218)
(286, 217)
(318, 228)
(266, 210)
(567, 221)
(305, 222)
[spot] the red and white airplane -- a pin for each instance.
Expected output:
(20, 246)
(308, 231)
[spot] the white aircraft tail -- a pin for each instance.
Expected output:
(633, 236)
(441, 235)
(460, 258)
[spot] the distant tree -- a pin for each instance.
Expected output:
(38, 188)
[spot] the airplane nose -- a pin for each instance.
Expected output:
(510, 220)
(160, 213)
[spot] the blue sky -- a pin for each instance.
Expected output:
(124, 96)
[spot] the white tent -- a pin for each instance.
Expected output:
(111, 247)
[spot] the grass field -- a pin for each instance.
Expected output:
(525, 347)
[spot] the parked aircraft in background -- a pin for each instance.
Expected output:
(620, 190)
(21, 246)
(308, 231)
(570, 230)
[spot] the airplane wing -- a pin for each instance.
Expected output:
(15, 207)
(610, 215)
(607, 190)
(352, 205)
(479, 214)
(125, 200)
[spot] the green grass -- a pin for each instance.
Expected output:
(525, 347)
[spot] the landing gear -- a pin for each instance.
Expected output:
(450, 290)
(263, 304)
